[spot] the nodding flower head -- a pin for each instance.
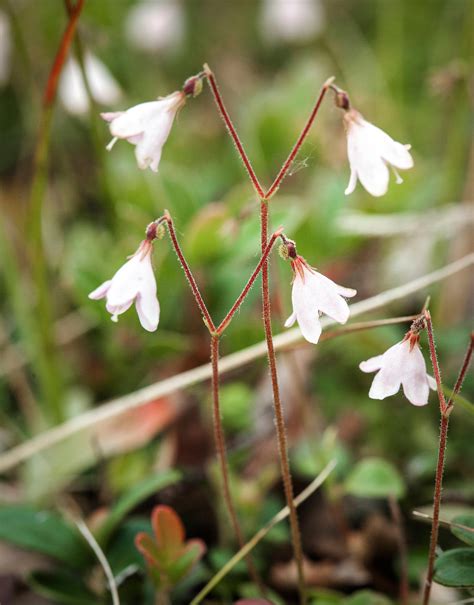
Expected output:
(313, 294)
(135, 283)
(401, 365)
(371, 151)
(147, 126)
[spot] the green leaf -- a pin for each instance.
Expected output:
(43, 531)
(132, 498)
(463, 528)
(375, 478)
(455, 568)
(367, 597)
(121, 551)
(62, 587)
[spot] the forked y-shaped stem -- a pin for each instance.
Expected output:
(266, 305)
(215, 335)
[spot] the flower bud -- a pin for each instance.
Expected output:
(342, 100)
(193, 86)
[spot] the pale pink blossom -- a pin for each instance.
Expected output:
(156, 26)
(146, 126)
(401, 365)
(72, 89)
(135, 283)
(371, 151)
(290, 21)
(5, 48)
(313, 294)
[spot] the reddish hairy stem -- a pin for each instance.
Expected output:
(189, 276)
(233, 133)
(294, 152)
(462, 374)
(52, 84)
(445, 411)
(225, 322)
(434, 361)
(222, 458)
(279, 414)
(443, 436)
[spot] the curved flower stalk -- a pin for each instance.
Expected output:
(401, 365)
(147, 126)
(135, 283)
(313, 294)
(72, 90)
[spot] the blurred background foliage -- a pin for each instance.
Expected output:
(408, 68)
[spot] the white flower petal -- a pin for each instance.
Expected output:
(384, 384)
(101, 291)
(371, 365)
(416, 390)
(116, 310)
(352, 182)
(432, 383)
(291, 320)
(310, 325)
(324, 293)
(125, 283)
(148, 309)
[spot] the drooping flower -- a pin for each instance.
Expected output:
(146, 126)
(313, 294)
(401, 365)
(72, 89)
(135, 283)
(371, 151)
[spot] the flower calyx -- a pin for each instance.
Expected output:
(192, 87)
(341, 98)
(155, 230)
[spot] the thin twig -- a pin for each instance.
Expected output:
(106, 411)
(278, 408)
(304, 495)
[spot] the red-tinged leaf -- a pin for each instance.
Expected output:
(190, 555)
(148, 548)
(169, 532)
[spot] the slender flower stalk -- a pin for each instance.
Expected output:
(233, 133)
(189, 276)
(225, 322)
(50, 381)
(304, 133)
(278, 407)
(445, 411)
(219, 440)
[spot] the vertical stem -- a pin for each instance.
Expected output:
(443, 436)
(279, 414)
(233, 133)
(50, 384)
(434, 361)
(222, 457)
(402, 549)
